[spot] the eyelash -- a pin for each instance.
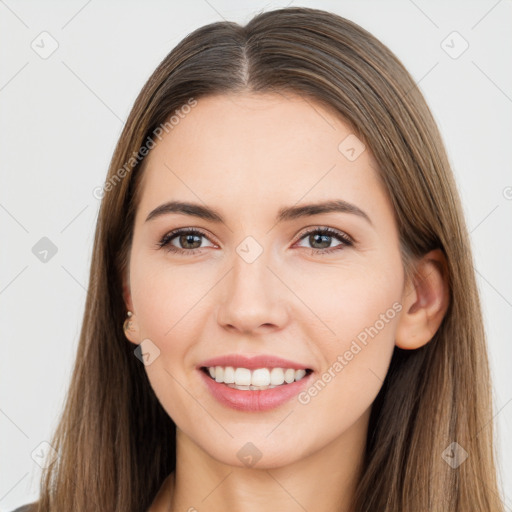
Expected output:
(165, 242)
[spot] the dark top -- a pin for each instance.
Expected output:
(24, 508)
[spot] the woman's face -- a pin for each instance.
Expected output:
(260, 278)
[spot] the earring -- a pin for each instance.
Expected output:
(127, 326)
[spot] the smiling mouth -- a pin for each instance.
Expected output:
(260, 379)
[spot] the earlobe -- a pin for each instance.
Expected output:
(425, 301)
(130, 325)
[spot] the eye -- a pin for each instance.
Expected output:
(323, 237)
(189, 240)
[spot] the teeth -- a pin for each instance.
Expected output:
(299, 374)
(254, 388)
(242, 377)
(289, 376)
(229, 375)
(259, 379)
(276, 376)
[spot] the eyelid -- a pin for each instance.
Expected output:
(344, 239)
(329, 230)
(165, 240)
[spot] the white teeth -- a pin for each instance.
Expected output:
(299, 374)
(289, 375)
(254, 388)
(258, 379)
(242, 377)
(229, 375)
(276, 376)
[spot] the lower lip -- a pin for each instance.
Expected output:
(254, 400)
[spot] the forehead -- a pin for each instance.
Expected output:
(245, 148)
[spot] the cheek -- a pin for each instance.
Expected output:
(354, 302)
(166, 298)
(362, 310)
(167, 301)
(367, 309)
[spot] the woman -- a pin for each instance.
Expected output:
(248, 370)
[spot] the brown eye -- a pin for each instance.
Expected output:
(320, 240)
(188, 241)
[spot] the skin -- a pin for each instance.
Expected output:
(247, 156)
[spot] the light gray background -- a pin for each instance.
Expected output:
(61, 116)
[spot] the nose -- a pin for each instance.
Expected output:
(253, 298)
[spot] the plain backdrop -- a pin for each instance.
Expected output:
(69, 73)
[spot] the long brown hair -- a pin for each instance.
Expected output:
(115, 442)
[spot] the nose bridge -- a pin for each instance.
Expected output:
(250, 273)
(252, 295)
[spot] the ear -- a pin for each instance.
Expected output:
(132, 332)
(127, 294)
(425, 301)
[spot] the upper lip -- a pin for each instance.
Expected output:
(252, 363)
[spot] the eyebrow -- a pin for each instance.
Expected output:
(285, 214)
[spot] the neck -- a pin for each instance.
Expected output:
(323, 481)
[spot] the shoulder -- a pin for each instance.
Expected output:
(24, 508)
